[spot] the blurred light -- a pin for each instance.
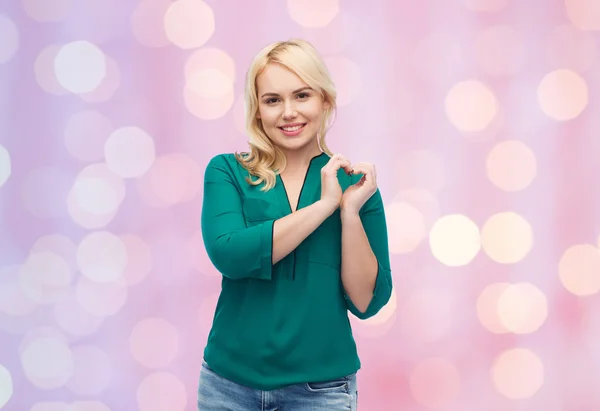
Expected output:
(5, 166)
(406, 227)
(154, 342)
(386, 313)
(522, 308)
(147, 22)
(96, 183)
(198, 258)
(109, 85)
(173, 178)
(571, 48)
(101, 299)
(139, 259)
(579, 269)
(72, 318)
(47, 363)
(424, 201)
(102, 257)
(85, 135)
(189, 23)
(45, 277)
(44, 71)
(6, 386)
(517, 373)
(92, 371)
(562, 95)
(48, 10)
(95, 195)
(337, 35)
(129, 152)
(161, 391)
(13, 299)
(500, 50)
(208, 94)
(10, 39)
(426, 316)
(506, 237)
(487, 307)
(486, 5)
(313, 13)
(206, 313)
(348, 82)
(210, 83)
(511, 165)
(454, 240)
(88, 406)
(435, 383)
(419, 169)
(80, 66)
(217, 63)
(50, 406)
(471, 106)
(584, 14)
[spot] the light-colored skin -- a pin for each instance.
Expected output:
(279, 105)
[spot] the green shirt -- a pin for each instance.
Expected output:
(287, 323)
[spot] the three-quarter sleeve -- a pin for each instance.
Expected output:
(237, 251)
(372, 216)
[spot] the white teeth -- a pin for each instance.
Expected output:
(292, 128)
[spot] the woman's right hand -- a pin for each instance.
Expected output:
(331, 191)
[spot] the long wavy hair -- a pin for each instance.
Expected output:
(265, 160)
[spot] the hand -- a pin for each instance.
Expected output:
(331, 191)
(357, 194)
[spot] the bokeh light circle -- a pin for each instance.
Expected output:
(506, 237)
(161, 391)
(471, 106)
(579, 269)
(10, 39)
(80, 66)
(435, 383)
(92, 371)
(154, 342)
(406, 227)
(454, 240)
(563, 94)
(522, 308)
(313, 13)
(584, 14)
(5, 166)
(102, 257)
(511, 165)
(129, 152)
(189, 23)
(47, 363)
(517, 373)
(6, 386)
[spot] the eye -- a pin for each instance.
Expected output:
(303, 95)
(271, 100)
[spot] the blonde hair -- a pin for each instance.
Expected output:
(265, 160)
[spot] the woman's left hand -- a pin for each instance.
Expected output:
(357, 194)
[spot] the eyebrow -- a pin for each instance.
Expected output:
(293, 92)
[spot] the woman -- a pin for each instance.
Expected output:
(300, 238)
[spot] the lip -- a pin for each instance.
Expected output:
(295, 132)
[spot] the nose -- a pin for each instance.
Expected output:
(289, 112)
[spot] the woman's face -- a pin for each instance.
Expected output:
(291, 112)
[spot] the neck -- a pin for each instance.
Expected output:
(298, 160)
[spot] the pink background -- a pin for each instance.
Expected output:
(481, 117)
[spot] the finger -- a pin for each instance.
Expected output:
(367, 170)
(338, 161)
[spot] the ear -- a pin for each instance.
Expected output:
(326, 104)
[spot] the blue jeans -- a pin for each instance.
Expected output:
(216, 393)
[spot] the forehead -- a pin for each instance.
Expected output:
(277, 79)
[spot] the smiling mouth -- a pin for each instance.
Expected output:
(292, 128)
